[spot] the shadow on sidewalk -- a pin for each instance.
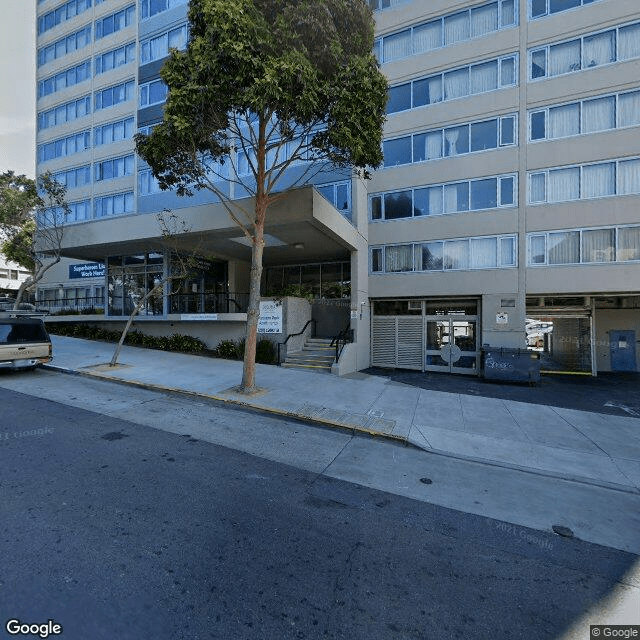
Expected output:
(613, 393)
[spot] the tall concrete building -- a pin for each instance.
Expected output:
(507, 212)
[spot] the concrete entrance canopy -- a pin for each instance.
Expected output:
(301, 226)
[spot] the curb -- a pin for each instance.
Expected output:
(354, 429)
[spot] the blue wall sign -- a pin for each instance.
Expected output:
(87, 270)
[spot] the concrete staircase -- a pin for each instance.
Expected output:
(316, 355)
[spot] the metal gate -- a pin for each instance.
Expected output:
(426, 343)
(397, 342)
(452, 344)
(564, 341)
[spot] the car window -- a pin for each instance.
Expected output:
(21, 332)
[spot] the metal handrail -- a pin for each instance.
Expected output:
(345, 336)
(293, 335)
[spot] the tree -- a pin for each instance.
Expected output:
(264, 85)
(182, 265)
(32, 215)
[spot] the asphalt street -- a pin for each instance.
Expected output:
(115, 529)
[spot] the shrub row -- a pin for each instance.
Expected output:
(176, 342)
(229, 349)
(234, 350)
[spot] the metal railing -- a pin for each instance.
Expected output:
(208, 302)
(293, 335)
(84, 306)
(341, 339)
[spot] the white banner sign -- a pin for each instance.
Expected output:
(270, 317)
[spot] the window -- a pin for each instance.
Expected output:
(455, 197)
(115, 22)
(150, 8)
(112, 205)
(158, 47)
(596, 180)
(397, 151)
(453, 141)
(589, 116)
(64, 146)
(114, 168)
(63, 113)
(587, 52)
(378, 5)
(115, 58)
(399, 98)
(489, 252)
(450, 29)
(584, 246)
(113, 131)
(68, 44)
(339, 195)
(64, 79)
(482, 77)
(114, 95)
(541, 8)
(77, 177)
(62, 13)
(154, 92)
(147, 184)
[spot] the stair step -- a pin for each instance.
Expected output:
(312, 367)
(303, 357)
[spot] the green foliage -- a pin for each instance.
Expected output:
(234, 350)
(175, 342)
(270, 69)
(265, 352)
(228, 349)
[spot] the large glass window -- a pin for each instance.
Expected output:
(62, 13)
(150, 8)
(474, 195)
(115, 22)
(587, 52)
(448, 30)
(585, 246)
(158, 47)
(114, 95)
(115, 58)
(541, 8)
(603, 179)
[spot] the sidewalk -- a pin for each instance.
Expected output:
(581, 446)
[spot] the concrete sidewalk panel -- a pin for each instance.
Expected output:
(489, 416)
(397, 402)
(439, 409)
(617, 435)
(543, 425)
(564, 463)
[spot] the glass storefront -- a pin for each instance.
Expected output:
(130, 279)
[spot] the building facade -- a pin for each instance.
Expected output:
(507, 212)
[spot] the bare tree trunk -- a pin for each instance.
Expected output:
(248, 384)
(253, 312)
(134, 313)
(24, 286)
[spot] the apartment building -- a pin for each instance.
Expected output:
(507, 212)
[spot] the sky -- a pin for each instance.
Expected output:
(17, 86)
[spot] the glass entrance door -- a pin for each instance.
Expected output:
(452, 344)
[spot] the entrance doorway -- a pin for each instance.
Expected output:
(427, 335)
(452, 344)
(623, 350)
